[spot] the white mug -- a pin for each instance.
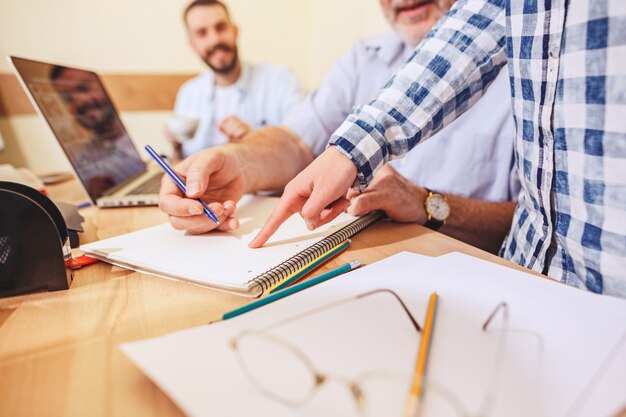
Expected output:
(183, 127)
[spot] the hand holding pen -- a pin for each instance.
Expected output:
(177, 198)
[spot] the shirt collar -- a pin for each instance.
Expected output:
(245, 79)
(387, 46)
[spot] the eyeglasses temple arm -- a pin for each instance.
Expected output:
(501, 306)
(406, 310)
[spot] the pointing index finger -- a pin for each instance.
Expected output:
(284, 210)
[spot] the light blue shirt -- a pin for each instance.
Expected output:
(480, 165)
(266, 94)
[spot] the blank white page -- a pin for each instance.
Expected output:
(217, 258)
(560, 341)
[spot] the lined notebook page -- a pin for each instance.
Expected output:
(217, 258)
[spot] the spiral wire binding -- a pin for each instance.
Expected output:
(301, 259)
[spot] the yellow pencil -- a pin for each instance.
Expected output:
(417, 389)
(296, 275)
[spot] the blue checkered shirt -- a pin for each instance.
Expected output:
(567, 64)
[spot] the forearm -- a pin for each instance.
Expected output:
(483, 224)
(271, 157)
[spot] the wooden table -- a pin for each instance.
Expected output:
(59, 351)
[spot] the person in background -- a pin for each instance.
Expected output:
(234, 96)
(98, 133)
(467, 176)
(568, 84)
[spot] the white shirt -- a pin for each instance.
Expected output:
(479, 164)
(227, 99)
(264, 95)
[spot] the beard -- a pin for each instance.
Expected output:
(225, 69)
(99, 123)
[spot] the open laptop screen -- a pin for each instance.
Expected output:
(85, 122)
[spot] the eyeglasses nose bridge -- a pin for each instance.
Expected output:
(320, 379)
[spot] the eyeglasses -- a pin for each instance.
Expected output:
(292, 378)
(282, 371)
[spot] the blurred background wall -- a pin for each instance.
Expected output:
(148, 37)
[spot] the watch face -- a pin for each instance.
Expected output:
(438, 207)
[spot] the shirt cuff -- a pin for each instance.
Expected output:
(365, 147)
(360, 183)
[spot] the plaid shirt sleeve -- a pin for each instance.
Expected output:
(446, 74)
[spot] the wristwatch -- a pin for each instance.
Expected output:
(437, 210)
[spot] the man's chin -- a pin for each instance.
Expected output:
(223, 69)
(413, 34)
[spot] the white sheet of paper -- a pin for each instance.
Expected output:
(217, 257)
(558, 339)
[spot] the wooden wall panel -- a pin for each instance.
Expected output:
(13, 100)
(130, 92)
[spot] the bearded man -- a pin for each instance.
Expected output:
(233, 97)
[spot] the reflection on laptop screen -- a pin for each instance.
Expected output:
(84, 121)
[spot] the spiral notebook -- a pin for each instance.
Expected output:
(223, 260)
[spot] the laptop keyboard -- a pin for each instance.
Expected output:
(152, 186)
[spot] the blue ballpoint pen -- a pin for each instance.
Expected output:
(178, 181)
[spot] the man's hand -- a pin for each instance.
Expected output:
(483, 224)
(317, 193)
(390, 192)
(215, 176)
(234, 128)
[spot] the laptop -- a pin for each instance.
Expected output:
(79, 111)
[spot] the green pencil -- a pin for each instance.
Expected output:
(308, 268)
(293, 289)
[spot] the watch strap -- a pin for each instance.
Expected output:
(433, 224)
